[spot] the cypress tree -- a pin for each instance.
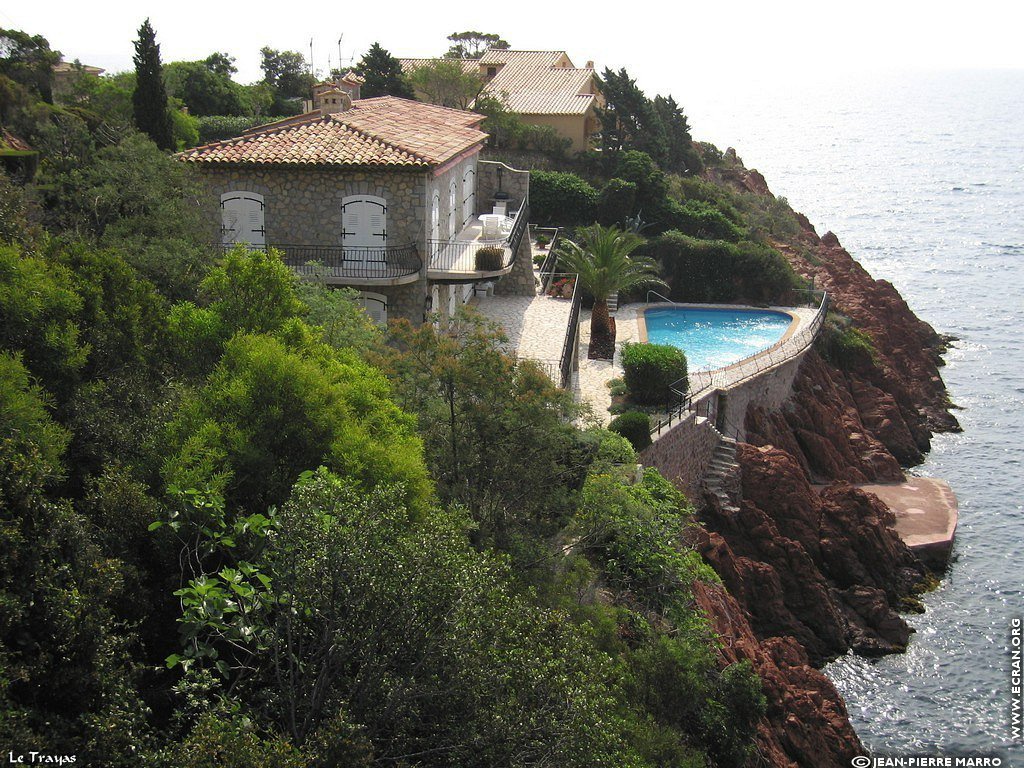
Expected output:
(150, 98)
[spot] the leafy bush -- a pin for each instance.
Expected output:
(635, 426)
(490, 258)
(616, 202)
(561, 198)
(650, 371)
(844, 345)
(220, 127)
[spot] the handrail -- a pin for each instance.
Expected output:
(381, 262)
(766, 358)
(547, 268)
(663, 298)
(460, 255)
(569, 346)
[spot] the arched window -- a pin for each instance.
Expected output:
(435, 220)
(376, 306)
(242, 219)
(453, 209)
(468, 194)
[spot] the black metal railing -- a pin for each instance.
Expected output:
(338, 261)
(460, 256)
(547, 268)
(571, 343)
(694, 389)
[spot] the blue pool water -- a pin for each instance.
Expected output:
(715, 338)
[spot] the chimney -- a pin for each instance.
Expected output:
(332, 101)
(590, 65)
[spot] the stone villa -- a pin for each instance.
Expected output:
(385, 195)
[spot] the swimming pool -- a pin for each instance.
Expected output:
(714, 338)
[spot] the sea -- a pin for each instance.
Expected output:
(921, 176)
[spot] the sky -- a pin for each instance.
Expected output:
(686, 49)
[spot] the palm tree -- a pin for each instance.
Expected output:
(602, 259)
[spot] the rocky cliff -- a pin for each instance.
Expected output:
(811, 575)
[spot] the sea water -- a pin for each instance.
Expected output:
(921, 175)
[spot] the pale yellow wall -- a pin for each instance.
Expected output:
(572, 127)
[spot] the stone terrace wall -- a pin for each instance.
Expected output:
(683, 453)
(768, 390)
(514, 182)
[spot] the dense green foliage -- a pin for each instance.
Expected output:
(635, 426)
(383, 74)
(719, 271)
(220, 127)
(241, 526)
(150, 97)
(844, 345)
(562, 199)
(650, 370)
(632, 121)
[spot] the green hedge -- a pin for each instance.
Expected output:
(220, 127)
(561, 199)
(717, 271)
(650, 371)
(635, 426)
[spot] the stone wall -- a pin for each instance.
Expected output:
(303, 205)
(768, 390)
(683, 453)
(514, 182)
(521, 281)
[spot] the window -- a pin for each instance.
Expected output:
(242, 219)
(364, 232)
(468, 194)
(453, 193)
(376, 306)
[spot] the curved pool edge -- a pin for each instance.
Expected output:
(794, 321)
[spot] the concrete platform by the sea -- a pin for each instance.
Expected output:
(926, 516)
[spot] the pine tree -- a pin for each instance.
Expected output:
(383, 74)
(150, 97)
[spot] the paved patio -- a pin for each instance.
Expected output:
(535, 325)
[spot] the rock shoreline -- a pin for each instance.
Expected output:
(812, 576)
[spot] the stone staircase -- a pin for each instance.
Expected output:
(613, 303)
(721, 482)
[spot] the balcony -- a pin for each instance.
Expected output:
(456, 261)
(341, 265)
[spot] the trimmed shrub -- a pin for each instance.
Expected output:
(650, 371)
(561, 198)
(220, 127)
(490, 258)
(635, 426)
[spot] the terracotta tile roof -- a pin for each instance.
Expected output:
(532, 82)
(385, 131)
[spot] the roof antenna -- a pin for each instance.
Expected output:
(342, 35)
